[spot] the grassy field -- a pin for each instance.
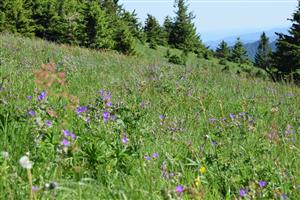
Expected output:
(99, 125)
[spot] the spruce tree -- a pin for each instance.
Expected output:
(239, 53)
(183, 34)
(99, 34)
(168, 27)
(264, 52)
(287, 55)
(223, 50)
(124, 40)
(154, 32)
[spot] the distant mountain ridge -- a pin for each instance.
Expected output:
(250, 40)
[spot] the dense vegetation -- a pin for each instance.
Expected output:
(106, 126)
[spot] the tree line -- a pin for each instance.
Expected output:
(105, 24)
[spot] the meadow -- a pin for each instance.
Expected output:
(100, 125)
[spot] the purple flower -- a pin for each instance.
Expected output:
(262, 184)
(147, 157)
(48, 123)
(232, 116)
(155, 155)
(162, 117)
(34, 188)
(142, 105)
(69, 134)
(105, 116)
(113, 117)
(29, 97)
(31, 113)
(212, 120)
(124, 139)
(214, 143)
(42, 96)
(65, 142)
(243, 192)
(283, 197)
(109, 104)
(81, 109)
(179, 189)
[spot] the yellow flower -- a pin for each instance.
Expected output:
(197, 181)
(202, 170)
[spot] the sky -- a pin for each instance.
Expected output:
(217, 19)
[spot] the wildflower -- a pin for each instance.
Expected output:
(243, 192)
(147, 157)
(105, 116)
(212, 120)
(113, 117)
(124, 139)
(69, 134)
(48, 123)
(109, 104)
(197, 181)
(142, 104)
(81, 109)
(65, 142)
(29, 97)
(202, 170)
(155, 155)
(179, 189)
(5, 155)
(31, 113)
(262, 184)
(232, 116)
(25, 162)
(34, 188)
(214, 143)
(42, 96)
(283, 197)
(162, 117)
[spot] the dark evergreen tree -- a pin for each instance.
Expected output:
(154, 32)
(135, 27)
(124, 40)
(168, 27)
(239, 53)
(99, 34)
(183, 34)
(287, 56)
(223, 51)
(15, 17)
(264, 53)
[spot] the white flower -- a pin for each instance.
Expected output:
(25, 162)
(5, 155)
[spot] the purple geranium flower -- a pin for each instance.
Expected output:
(42, 96)
(124, 139)
(31, 112)
(243, 192)
(105, 116)
(69, 134)
(48, 123)
(262, 184)
(29, 97)
(147, 157)
(81, 109)
(162, 117)
(65, 142)
(232, 116)
(155, 155)
(179, 189)
(109, 104)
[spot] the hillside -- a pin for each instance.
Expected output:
(252, 48)
(101, 125)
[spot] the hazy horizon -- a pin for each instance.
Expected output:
(217, 19)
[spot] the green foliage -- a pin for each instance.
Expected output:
(154, 32)
(287, 55)
(223, 51)
(99, 34)
(183, 33)
(263, 57)
(239, 53)
(124, 40)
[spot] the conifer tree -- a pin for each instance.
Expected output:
(287, 56)
(239, 53)
(124, 40)
(99, 34)
(183, 34)
(264, 52)
(223, 50)
(154, 32)
(168, 27)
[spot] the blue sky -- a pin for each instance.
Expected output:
(216, 19)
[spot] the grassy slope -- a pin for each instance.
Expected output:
(101, 167)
